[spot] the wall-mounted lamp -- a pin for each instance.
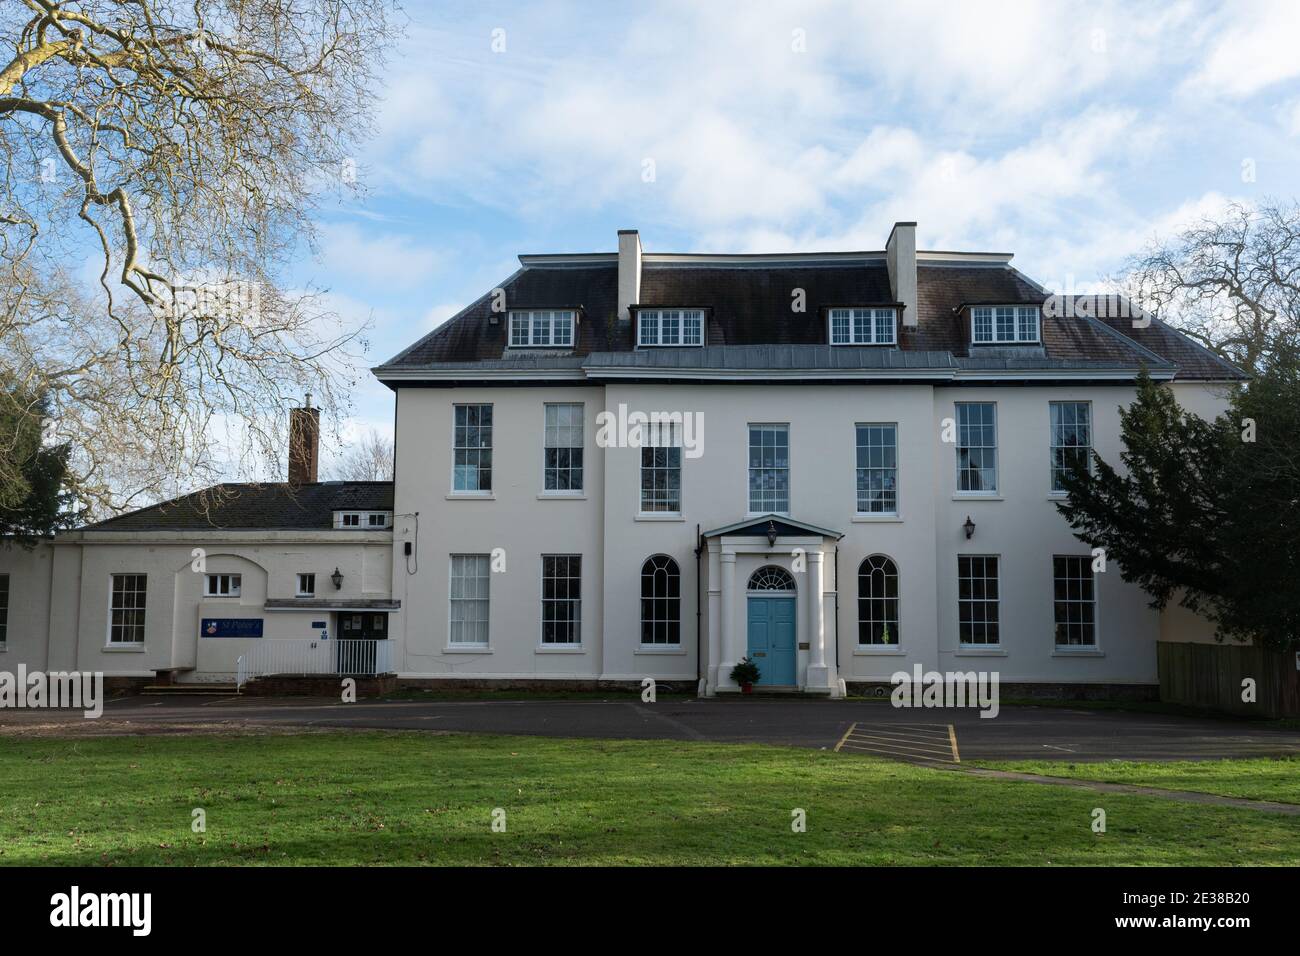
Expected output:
(337, 576)
(771, 534)
(969, 528)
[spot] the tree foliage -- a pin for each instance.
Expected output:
(1205, 513)
(33, 500)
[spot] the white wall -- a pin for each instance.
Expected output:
(71, 617)
(517, 517)
(1020, 525)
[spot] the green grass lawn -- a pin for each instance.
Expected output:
(1268, 778)
(421, 798)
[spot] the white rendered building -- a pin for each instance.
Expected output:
(625, 465)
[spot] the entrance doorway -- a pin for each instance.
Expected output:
(770, 625)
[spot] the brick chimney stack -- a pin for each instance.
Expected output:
(304, 443)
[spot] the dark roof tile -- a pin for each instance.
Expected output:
(274, 506)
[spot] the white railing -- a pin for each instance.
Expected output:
(364, 658)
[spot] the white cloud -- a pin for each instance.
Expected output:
(374, 259)
(1251, 46)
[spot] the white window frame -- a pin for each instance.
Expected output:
(299, 591)
(886, 563)
(143, 622)
(868, 333)
(542, 328)
(995, 602)
(580, 447)
(364, 520)
(653, 438)
(490, 447)
(1053, 447)
(749, 469)
(672, 625)
(996, 314)
(1094, 644)
(485, 600)
(543, 599)
(234, 584)
(656, 320)
(857, 494)
(997, 478)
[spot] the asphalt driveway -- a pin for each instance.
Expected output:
(938, 735)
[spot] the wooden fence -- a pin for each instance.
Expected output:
(1211, 676)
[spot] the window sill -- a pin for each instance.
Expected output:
(764, 514)
(660, 649)
(4, 648)
(469, 496)
(1071, 652)
(562, 496)
(877, 519)
(658, 516)
(974, 496)
(467, 649)
(124, 648)
(979, 652)
(561, 649)
(872, 652)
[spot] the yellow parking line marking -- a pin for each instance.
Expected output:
(880, 750)
(868, 742)
(846, 736)
(952, 738)
(939, 737)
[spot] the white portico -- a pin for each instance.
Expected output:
(769, 578)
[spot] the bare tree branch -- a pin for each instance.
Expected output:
(184, 144)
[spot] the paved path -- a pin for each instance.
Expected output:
(1017, 733)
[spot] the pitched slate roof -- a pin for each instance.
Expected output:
(747, 303)
(265, 507)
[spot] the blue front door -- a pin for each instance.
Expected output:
(771, 639)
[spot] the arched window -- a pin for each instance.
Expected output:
(771, 578)
(878, 601)
(661, 601)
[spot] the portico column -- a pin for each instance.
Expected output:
(818, 672)
(729, 649)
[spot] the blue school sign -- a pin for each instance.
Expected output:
(230, 627)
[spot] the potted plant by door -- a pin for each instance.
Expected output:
(746, 674)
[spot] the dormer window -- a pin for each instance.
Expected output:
(670, 327)
(542, 328)
(1004, 324)
(862, 326)
(364, 520)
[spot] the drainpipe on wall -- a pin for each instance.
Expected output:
(838, 675)
(698, 642)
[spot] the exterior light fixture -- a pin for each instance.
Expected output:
(969, 528)
(771, 534)
(337, 576)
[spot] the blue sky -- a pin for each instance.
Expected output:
(1067, 134)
